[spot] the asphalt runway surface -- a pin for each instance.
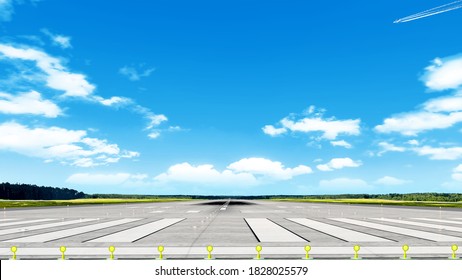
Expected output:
(233, 227)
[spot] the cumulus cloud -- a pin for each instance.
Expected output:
(341, 143)
(134, 74)
(268, 168)
(58, 39)
(437, 113)
(272, 131)
(389, 147)
(338, 163)
(413, 123)
(390, 181)
(457, 173)
(444, 73)
(105, 179)
(70, 147)
(245, 172)
(57, 76)
(440, 153)
(28, 103)
(314, 122)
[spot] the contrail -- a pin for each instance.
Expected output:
(438, 10)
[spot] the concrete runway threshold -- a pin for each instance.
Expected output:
(400, 230)
(338, 232)
(439, 227)
(268, 231)
(50, 236)
(137, 233)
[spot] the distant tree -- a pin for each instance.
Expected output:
(34, 192)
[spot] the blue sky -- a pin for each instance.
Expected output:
(230, 97)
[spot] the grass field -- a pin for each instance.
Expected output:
(376, 202)
(85, 201)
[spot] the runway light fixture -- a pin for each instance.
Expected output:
(356, 248)
(307, 252)
(14, 249)
(111, 249)
(62, 249)
(405, 249)
(161, 251)
(258, 248)
(454, 249)
(209, 250)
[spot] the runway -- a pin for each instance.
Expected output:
(233, 227)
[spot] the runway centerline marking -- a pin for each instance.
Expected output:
(451, 228)
(45, 237)
(193, 211)
(404, 231)
(26, 222)
(43, 226)
(138, 232)
(157, 211)
(339, 232)
(268, 231)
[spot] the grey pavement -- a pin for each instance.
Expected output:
(233, 227)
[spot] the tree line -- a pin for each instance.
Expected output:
(34, 192)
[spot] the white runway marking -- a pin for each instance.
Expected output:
(342, 233)
(451, 228)
(441, 221)
(400, 230)
(263, 211)
(25, 222)
(69, 232)
(157, 211)
(193, 211)
(267, 231)
(42, 226)
(133, 234)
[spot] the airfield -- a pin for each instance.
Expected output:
(233, 227)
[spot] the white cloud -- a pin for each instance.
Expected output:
(71, 147)
(413, 142)
(341, 143)
(114, 101)
(388, 147)
(444, 73)
(204, 174)
(57, 76)
(390, 181)
(411, 124)
(272, 131)
(338, 163)
(245, 172)
(135, 75)
(451, 153)
(438, 113)
(315, 122)
(343, 184)
(57, 39)
(457, 173)
(104, 179)
(28, 103)
(268, 168)
(154, 135)
(452, 103)
(156, 120)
